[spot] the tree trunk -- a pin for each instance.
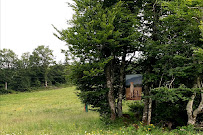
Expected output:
(192, 115)
(109, 79)
(121, 88)
(191, 118)
(149, 112)
(146, 118)
(46, 83)
(6, 85)
(145, 111)
(45, 75)
(147, 101)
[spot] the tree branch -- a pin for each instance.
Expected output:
(131, 58)
(161, 80)
(171, 83)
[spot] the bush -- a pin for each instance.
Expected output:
(169, 112)
(186, 130)
(169, 105)
(137, 109)
(3, 91)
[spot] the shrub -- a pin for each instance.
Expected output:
(3, 91)
(169, 105)
(137, 109)
(185, 130)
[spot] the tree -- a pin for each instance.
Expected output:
(40, 60)
(150, 12)
(8, 61)
(170, 31)
(21, 79)
(101, 35)
(169, 51)
(187, 16)
(57, 74)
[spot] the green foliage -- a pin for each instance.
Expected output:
(176, 59)
(57, 74)
(186, 130)
(91, 87)
(31, 70)
(137, 109)
(182, 35)
(99, 35)
(41, 58)
(167, 52)
(164, 94)
(8, 60)
(8, 91)
(97, 30)
(170, 104)
(201, 29)
(169, 112)
(20, 83)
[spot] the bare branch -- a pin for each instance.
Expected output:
(154, 5)
(170, 85)
(161, 80)
(194, 7)
(131, 58)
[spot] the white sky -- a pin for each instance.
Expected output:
(26, 24)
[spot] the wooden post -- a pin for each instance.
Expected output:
(86, 108)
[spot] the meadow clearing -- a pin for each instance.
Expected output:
(59, 112)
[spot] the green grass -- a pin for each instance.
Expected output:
(44, 112)
(57, 112)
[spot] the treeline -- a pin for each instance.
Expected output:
(34, 70)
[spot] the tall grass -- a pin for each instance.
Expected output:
(58, 112)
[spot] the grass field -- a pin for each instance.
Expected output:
(44, 112)
(56, 112)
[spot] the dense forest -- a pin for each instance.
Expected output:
(30, 71)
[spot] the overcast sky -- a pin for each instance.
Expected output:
(26, 24)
